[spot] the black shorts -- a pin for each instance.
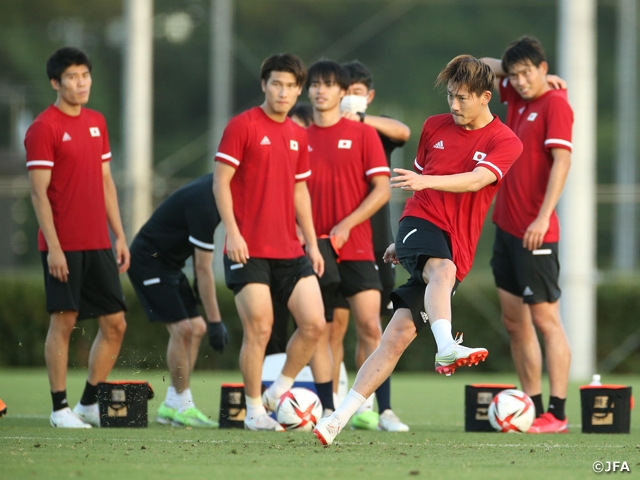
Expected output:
(93, 288)
(417, 241)
(355, 277)
(281, 275)
(164, 292)
(532, 275)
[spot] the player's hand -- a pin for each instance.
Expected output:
(341, 233)
(350, 115)
(317, 262)
(556, 82)
(534, 236)
(123, 257)
(58, 267)
(408, 180)
(237, 249)
(218, 336)
(390, 255)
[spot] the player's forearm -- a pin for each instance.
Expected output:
(390, 127)
(44, 214)
(224, 203)
(496, 66)
(304, 217)
(207, 292)
(374, 201)
(112, 208)
(460, 182)
(557, 179)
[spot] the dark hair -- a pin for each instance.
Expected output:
(328, 70)
(63, 59)
(467, 71)
(304, 111)
(358, 73)
(284, 62)
(523, 49)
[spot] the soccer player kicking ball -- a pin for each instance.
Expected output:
(181, 227)
(462, 158)
(74, 198)
(525, 252)
(260, 190)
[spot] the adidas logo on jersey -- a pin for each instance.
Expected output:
(66, 137)
(265, 141)
(439, 145)
(425, 317)
(520, 110)
(532, 116)
(527, 292)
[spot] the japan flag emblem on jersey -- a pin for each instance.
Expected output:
(346, 144)
(532, 116)
(293, 145)
(95, 131)
(479, 156)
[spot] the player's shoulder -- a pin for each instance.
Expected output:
(439, 120)
(502, 134)
(46, 121)
(91, 113)
(558, 98)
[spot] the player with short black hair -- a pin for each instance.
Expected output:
(75, 198)
(181, 227)
(262, 166)
(525, 252)
(462, 158)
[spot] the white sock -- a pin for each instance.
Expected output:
(367, 405)
(280, 386)
(349, 406)
(255, 408)
(171, 399)
(442, 332)
(185, 400)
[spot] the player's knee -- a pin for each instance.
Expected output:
(115, 327)
(547, 323)
(396, 340)
(198, 327)
(369, 330)
(312, 328)
(441, 270)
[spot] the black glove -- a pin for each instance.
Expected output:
(218, 336)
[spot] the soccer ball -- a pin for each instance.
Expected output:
(511, 411)
(299, 409)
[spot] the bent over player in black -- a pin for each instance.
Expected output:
(181, 227)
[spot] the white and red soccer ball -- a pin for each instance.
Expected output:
(511, 411)
(299, 409)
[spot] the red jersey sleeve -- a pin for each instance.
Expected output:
(106, 148)
(40, 144)
(374, 159)
(503, 152)
(421, 155)
(233, 143)
(506, 90)
(559, 123)
(303, 166)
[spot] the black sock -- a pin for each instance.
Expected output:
(537, 402)
(90, 395)
(325, 394)
(59, 400)
(383, 395)
(556, 407)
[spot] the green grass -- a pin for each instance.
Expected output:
(432, 405)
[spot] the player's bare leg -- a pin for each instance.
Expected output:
(525, 348)
(321, 365)
(106, 346)
(56, 348)
(366, 313)
(338, 328)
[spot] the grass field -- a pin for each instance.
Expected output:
(436, 446)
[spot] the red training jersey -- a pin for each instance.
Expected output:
(73, 148)
(447, 149)
(344, 157)
(269, 158)
(541, 124)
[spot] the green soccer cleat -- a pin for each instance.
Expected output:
(456, 355)
(165, 414)
(367, 420)
(192, 417)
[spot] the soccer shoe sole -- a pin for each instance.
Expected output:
(563, 429)
(472, 359)
(164, 421)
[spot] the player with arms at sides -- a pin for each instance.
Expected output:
(393, 134)
(462, 158)
(525, 251)
(350, 183)
(74, 198)
(260, 190)
(181, 227)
